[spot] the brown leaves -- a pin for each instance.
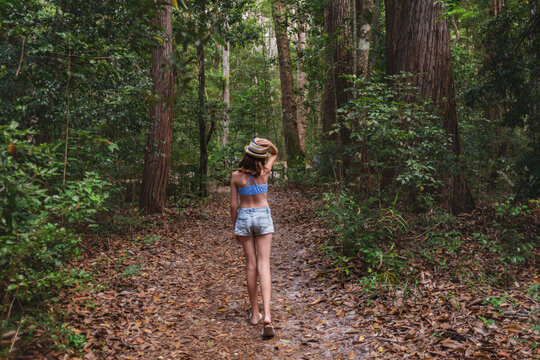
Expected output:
(189, 300)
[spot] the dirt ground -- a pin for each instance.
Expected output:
(174, 288)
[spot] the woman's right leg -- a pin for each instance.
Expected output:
(248, 244)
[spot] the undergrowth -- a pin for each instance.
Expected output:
(384, 252)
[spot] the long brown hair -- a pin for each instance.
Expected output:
(251, 165)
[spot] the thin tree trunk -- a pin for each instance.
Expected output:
(354, 15)
(493, 111)
(68, 109)
(288, 101)
(203, 155)
(266, 77)
(301, 81)
(417, 41)
(226, 94)
(364, 37)
(456, 29)
(158, 147)
(496, 7)
(374, 42)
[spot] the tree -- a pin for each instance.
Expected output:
(158, 147)
(496, 7)
(301, 83)
(363, 10)
(288, 102)
(418, 42)
(339, 61)
(226, 93)
(205, 133)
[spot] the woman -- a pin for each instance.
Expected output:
(253, 225)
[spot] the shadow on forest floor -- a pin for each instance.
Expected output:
(175, 290)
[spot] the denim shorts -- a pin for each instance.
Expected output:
(254, 222)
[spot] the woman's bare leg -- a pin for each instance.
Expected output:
(248, 243)
(264, 245)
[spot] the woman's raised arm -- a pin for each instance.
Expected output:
(273, 153)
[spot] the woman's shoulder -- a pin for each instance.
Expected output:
(237, 174)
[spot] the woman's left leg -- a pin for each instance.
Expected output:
(248, 244)
(264, 246)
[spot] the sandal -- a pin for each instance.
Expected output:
(251, 317)
(268, 331)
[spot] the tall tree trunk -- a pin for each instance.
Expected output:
(158, 148)
(496, 7)
(301, 81)
(417, 41)
(493, 111)
(339, 63)
(354, 15)
(288, 101)
(375, 31)
(203, 150)
(266, 77)
(339, 59)
(365, 18)
(226, 92)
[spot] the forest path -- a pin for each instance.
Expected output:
(177, 291)
(173, 287)
(216, 326)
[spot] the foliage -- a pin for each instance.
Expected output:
(509, 78)
(83, 59)
(40, 214)
(510, 243)
(363, 234)
(390, 133)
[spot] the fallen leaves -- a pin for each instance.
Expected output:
(189, 299)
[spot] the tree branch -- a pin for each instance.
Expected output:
(21, 59)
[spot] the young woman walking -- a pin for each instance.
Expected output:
(253, 225)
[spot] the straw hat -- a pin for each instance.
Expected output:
(256, 150)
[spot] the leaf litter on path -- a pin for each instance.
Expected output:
(184, 297)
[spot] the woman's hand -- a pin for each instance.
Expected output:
(262, 141)
(237, 239)
(267, 143)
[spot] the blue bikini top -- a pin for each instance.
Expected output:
(253, 189)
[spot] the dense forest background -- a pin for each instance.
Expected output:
(392, 110)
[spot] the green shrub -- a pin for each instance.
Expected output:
(40, 215)
(223, 161)
(365, 233)
(394, 134)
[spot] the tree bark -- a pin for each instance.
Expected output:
(158, 147)
(354, 15)
(417, 41)
(496, 7)
(365, 18)
(226, 94)
(339, 61)
(301, 81)
(493, 111)
(203, 150)
(375, 38)
(288, 101)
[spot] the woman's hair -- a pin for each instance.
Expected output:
(251, 165)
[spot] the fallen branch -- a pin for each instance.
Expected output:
(15, 337)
